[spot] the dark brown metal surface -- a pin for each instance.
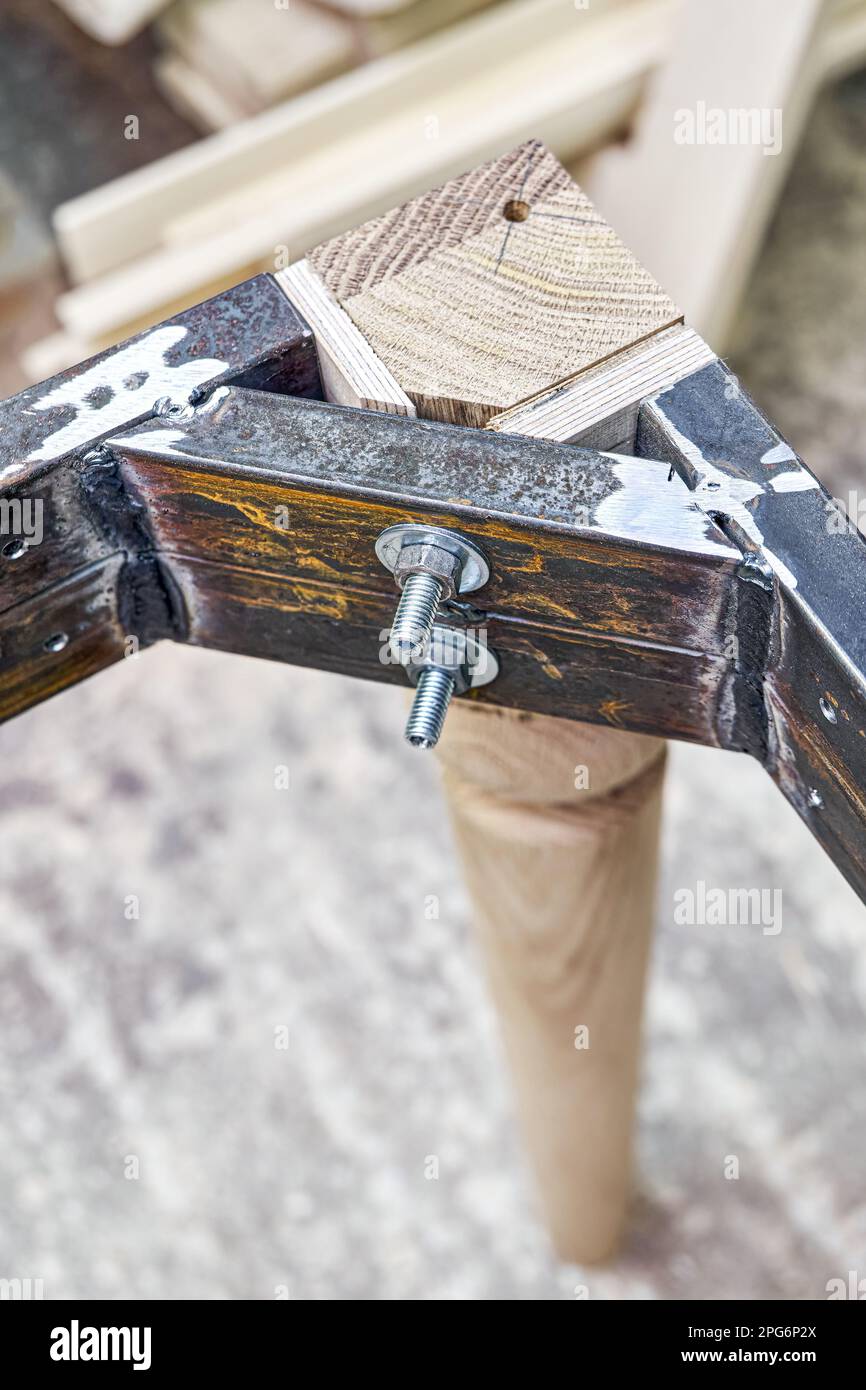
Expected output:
(191, 489)
(267, 512)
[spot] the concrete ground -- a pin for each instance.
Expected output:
(230, 1037)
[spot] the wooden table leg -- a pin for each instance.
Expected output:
(557, 824)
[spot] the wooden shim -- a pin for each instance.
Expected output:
(351, 372)
(493, 286)
(599, 408)
(472, 79)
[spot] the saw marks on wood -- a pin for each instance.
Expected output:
(492, 288)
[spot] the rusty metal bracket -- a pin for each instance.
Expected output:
(192, 485)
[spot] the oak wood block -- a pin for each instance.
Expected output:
(492, 288)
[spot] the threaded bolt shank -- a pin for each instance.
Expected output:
(415, 616)
(429, 707)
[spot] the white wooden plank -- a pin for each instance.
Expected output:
(574, 76)
(352, 374)
(598, 409)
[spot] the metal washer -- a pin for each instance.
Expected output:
(475, 570)
(478, 665)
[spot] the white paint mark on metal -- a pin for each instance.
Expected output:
(796, 481)
(121, 388)
(718, 491)
(161, 440)
(646, 507)
(780, 453)
(213, 401)
(779, 567)
(717, 488)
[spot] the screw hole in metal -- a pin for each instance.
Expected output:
(827, 710)
(13, 550)
(56, 642)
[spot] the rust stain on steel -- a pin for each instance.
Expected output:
(612, 711)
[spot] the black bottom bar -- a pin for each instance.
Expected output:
(160, 1339)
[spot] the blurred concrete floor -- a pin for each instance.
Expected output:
(148, 1044)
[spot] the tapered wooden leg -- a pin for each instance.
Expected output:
(558, 826)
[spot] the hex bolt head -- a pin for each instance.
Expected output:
(454, 662)
(430, 565)
(433, 560)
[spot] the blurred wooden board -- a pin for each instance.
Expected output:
(593, 69)
(258, 53)
(200, 220)
(695, 187)
(26, 249)
(383, 33)
(229, 59)
(195, 97)
(372, 7)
